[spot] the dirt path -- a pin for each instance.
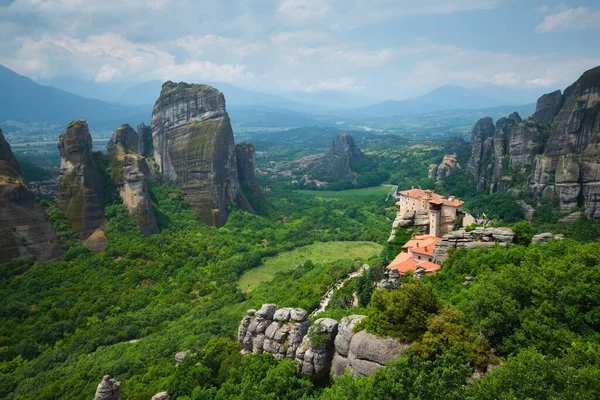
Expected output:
(327, 296)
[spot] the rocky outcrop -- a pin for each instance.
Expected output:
(130, 173)
(548, 106)
(315, 354)
(161, 396)
(362, 353)
(338, 161)
(323, 349)
(108, 389)
(479, 237)
(590, 178)
(79, 190)
(193, 147)
(24, 227)
(244, 153)
(274, 330)
(144, 147)
(481, 152)
(542, 238)
(578, 118)
(557, 162)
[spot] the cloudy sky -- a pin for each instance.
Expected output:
(382, 48)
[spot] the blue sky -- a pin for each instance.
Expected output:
(378, 48)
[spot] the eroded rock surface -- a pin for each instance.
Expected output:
(79, 190)
(338, 161)
(130, 173)
(193, 147)
(316, 352)
(274, 330)
(244, 153)
(108, 389)
(24, 227)
(558, 162)
(479, 237)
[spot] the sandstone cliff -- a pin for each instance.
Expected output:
(193, 147)
(130, 173)
(557, 162)
(246, 168)
(24, 227)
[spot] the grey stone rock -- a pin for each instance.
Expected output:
(131, 173)
(283, 314)
(570, 218)
(80, 195)
(108, 389)
(477, 238)
(180, 356)
(267, 311)
(548, 106)
(542, 238)
(24, 227)
(161, 396)
(194, 148)
(346, 333)
(336, 163)
(298, 314)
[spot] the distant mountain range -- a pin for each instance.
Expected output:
(23, 100)
(443, 98)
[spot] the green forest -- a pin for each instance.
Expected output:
(527, 325)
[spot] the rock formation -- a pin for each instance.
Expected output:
(315, 354)
(24, 227)
(323, 349)
(362, 353)
(548, 106)
(274, 330)
(479, 237)
(444, 169)
(244, 153)
(108, 389)
(144, 140)
(130, 173)
(161, 396)
(79, 191)
(545, 237)
(193, 147)
(481, 149)
(557, 162)
(338, 161)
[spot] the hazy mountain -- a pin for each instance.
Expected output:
(22, 99)
(443, 98)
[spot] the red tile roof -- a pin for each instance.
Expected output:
(432, 197)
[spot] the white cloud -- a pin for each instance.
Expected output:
(505, 79)
(341, 84)
(581, 18)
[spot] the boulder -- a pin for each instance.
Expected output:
(108, 389)
(161, 396)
